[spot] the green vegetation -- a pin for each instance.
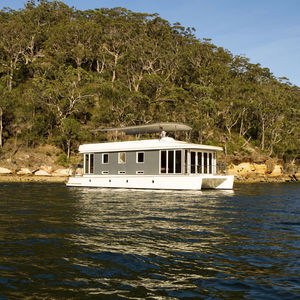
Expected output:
(65, 72)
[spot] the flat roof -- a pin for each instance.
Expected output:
(155, 144)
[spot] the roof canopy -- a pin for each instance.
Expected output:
(151, 128)
(155, 144)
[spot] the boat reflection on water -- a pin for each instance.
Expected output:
(91, 192)
(163, 234)
(150, 222)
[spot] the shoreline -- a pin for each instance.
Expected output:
(32, 178)
(284, 179)
(62, 179)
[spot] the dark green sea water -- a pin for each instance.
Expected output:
(71, 243)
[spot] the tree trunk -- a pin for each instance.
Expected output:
(98, 68)
(69, 149)
(10, 78)
(263, 135)
(113, 76)
(242, 126)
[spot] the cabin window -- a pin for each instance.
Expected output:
(163, 161)
(122, 158)
(140, 157)
(210, 163)
(178, 161)
(170, 161)
(105, 159)
(91, 163)
(193, 162)
(214, 163)
(139, 172)
(88, 163)
(185, 161)
(205, 162)
(199, 162)
(105, 172)
(121, 172)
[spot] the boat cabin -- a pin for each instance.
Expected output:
(149, 157)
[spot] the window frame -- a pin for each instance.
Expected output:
(169, 164)
(89, 163)
(137, 157)
(86, 163)
(103, 155)
(92, 163)
(119, 158)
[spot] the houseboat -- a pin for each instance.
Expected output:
(163, 163)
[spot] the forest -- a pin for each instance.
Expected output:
(66, 72)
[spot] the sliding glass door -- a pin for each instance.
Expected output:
(171, 161)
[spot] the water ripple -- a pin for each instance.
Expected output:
(64, 243)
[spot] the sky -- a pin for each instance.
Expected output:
(265, 31)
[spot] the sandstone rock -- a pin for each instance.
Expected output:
(277, 171)
(79, 171)
(270, 166)
(249, 170)
(246, 168)
(5, 171)
(48, 169)
(243, 169)
(62, 172)
(24, 171)
(232, 170)
(41, 173)
(260, 169)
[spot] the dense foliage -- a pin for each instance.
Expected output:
(65, 72)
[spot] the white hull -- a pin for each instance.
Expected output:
(160, 182)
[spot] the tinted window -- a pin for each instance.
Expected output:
(105, 158)
(140, 157)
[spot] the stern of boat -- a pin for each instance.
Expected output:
(218, 182)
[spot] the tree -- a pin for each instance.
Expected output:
(115, 67)
(70, 134)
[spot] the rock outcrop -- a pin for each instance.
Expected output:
(48, 169)
(42, 173)
(62, 172)
(5, 171)
(251, 170)
(24, 171)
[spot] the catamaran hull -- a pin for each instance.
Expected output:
(161, 182)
